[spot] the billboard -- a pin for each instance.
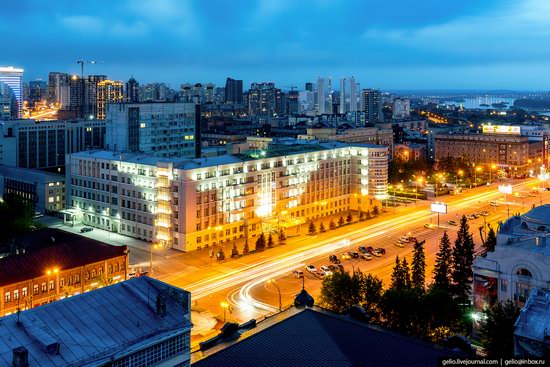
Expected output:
(505, 189)
(438, 208)
(501, 129)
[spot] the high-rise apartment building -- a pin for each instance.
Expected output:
(292, 103)
(11, 84)
(324, 96)
(44, 144)
(131, 93)
(197, 93)
(108, 91)
(265, 100)
(160, 129)
(192, 203)
(401, 108)
(370, 103)
(58, 88)
(38, 91)
(348, 95)
(233, 91)
(153, 92)
(91, 95)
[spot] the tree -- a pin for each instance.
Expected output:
(246, 250)
(221, 255)
(270, 241)
(375, 210)
(16, 216)
(497, 330)
(367, 214)
(234, 251)
(443, 264)
(260, 242)
(361, 216)
(331, 225)
(322, 228)
(406, 272)
(401, 310)
(311, 228)
(491, 240)
(340, 221)
(349, 218)
(463, 258)
(418, 266)
(282, 236)
(397, 276)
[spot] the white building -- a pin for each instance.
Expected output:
(160, 129)
(348, 95)
(13, 79)
(324, 96)
(520, 262)
(192, 203)
(401, 108)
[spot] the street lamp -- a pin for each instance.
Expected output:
(418, 182)
(440, 176)
(50, 272)
(151, 258)
(272, 281)
(493, 166)
(226, 307)
(478, 169)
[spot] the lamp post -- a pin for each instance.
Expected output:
(493, 166)
(460, 173)
(477, 169)
(50, 272)
(439, 176)
(272, 281)
(151, 258)
(226, 307)
(418, 182)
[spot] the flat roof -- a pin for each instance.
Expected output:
(534, 319)
(96, 326)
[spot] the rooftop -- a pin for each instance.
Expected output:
(96, 326)
(316, 337)
(534, 319)
(52, 248)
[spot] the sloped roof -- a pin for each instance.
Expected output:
(539, 215)
(67, 251)
(317, 338)
(97, 325)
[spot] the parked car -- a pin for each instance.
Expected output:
(412, 239)
(470, 217)
(345, 256)
(326, 270)
(494, 203)
(363, 249)
(429, 226)
(381, 251)
(520, 195)
(475, 215)
(452, 223)
(484, 213)
(399, 244)
(298, 273)
(353, 254)
(311, 268)
(532, 194)
(366, 256)
(370, 249)
(86, 229)
(332, 267)
(404, 239)
(334, 259)
(38, 215)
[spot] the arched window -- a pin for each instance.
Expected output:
(524, 272)
(524, 225)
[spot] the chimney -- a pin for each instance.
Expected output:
(20, 357)
(161, 305)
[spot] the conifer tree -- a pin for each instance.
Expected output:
(418, 266)
(463, 258)
(443, 264)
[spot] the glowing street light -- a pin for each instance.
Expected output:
(151, 258)
(226, 307)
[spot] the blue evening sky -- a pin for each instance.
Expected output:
(395, 44)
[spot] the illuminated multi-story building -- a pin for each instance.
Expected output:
(371, 104)
(191, 203)
(108, 91)
(11, 78)
(161, 129)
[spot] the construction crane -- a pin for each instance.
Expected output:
(82, 62)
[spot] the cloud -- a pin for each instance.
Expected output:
(83, 23)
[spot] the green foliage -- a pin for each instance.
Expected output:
(443, 264)
(463, 258)
(270, 241)
(246, 250)
(401, 170)
(221, 255)
(455, 164)
(491, 240)
(375, 210)
(400, 277)
(311, 228)
(331, 224)
(343, 290)
(349, 218)
(497, 330)
(16, 216)
(322, 228)
(282, 236)
(234, 251)
(401, 310)
(260, 242)
(361, 216)
(340, 221)
(418, 266)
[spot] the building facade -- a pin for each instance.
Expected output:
(371, 104)
(161, 129)
(265, 100)
(13, 79)
(189, 204)
(233, 91)
(401, 108)
(44, 144)
(108, 91)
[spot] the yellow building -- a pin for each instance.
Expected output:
(108, 91)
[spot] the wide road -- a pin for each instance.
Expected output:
(243, 283)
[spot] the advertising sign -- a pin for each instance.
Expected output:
(501, 129)
(439, 208)
(505, 189)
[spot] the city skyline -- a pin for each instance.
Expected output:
(388, 46)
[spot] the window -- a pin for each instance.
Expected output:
(52, 285)
(35, 289)
(503, 285)
(61, 282)
(524, 272)
(24, 292)
(16, 294)
(7, 297)
(43, 287)
(77, 279)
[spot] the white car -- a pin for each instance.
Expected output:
(404, 239)
(452, 223)
(484, 213)
(429, 226)
(399, 244)
(311, 268)
(326, 270)
(494, 203)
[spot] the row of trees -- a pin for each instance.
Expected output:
(262, 242)
(312, 228)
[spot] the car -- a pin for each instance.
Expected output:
(363, 249)
(334, 259)
(86, 229)
(366, 256)
(470, 217)
(475, 215)
(332, 267)
(520, 195)
(38, 215)
(353, 254)
(404, 239)
(399, 244)
(452, 223)
(326, 270)
(370, 249)
(484, 213)
(381, 250)
(298, 273)
(547, 189)
(429, 226)
(412, 239)
(532, 194)
(494, 203)
(345, 256)
(311, 268)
